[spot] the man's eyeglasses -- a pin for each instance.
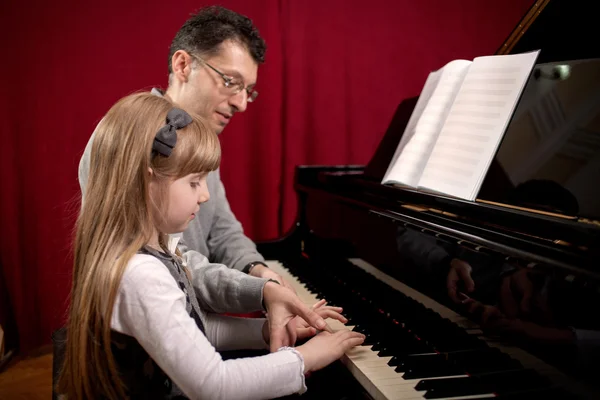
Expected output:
(231, 83)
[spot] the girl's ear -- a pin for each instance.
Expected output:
(151, 172)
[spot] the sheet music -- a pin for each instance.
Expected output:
(425, 123)
(476, 124)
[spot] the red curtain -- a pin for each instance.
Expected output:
(334, 74)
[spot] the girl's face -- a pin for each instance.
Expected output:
(184, 196)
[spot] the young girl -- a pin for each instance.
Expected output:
(140, 324)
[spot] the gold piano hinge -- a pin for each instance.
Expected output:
(589, 221)
(414, 207)
(446, 213)
(302, 245)
(562, 242)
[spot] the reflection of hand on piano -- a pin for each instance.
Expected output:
(521, 296)
(494, 321)
(489, 317)
(459, 273)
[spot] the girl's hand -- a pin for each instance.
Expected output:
(326, 347)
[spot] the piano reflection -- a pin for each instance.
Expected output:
(496, 297)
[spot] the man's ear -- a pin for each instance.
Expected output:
(181, 64)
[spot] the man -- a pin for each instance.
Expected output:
(213, 67)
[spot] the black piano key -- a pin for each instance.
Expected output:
(482, 360)
(431, 371)
(454, 387)
(370, 339)
(406, 348)
(548, 393)
(416, 361)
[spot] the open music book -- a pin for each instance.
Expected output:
(458, 123)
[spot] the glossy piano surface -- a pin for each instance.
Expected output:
(531, 326)
(413, 247)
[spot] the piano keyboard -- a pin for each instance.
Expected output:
(372, 369)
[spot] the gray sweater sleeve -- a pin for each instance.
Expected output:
(220, 289)
(227, 242)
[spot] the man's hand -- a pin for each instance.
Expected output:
(282, 306)
(260, 271)
(460, 271)
(303, 329)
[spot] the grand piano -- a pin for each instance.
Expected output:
(531, 239)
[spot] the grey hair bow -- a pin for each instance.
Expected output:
(166, 138)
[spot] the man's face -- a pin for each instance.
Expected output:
(205, 92)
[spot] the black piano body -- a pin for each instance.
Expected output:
(528, 227)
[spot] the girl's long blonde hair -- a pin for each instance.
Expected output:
(114, 223)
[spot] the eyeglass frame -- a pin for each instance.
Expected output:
(229, 80)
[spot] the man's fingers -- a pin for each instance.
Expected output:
(319, 303)
(328, 313)
(310, 316)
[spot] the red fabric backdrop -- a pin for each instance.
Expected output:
(334, 74)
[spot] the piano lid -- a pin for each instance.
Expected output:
(563, 29)
(549, 158)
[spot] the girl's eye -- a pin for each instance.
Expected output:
(194, 184)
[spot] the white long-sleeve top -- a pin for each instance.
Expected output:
(150, 307)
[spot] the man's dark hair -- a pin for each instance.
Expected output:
(211, 26)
